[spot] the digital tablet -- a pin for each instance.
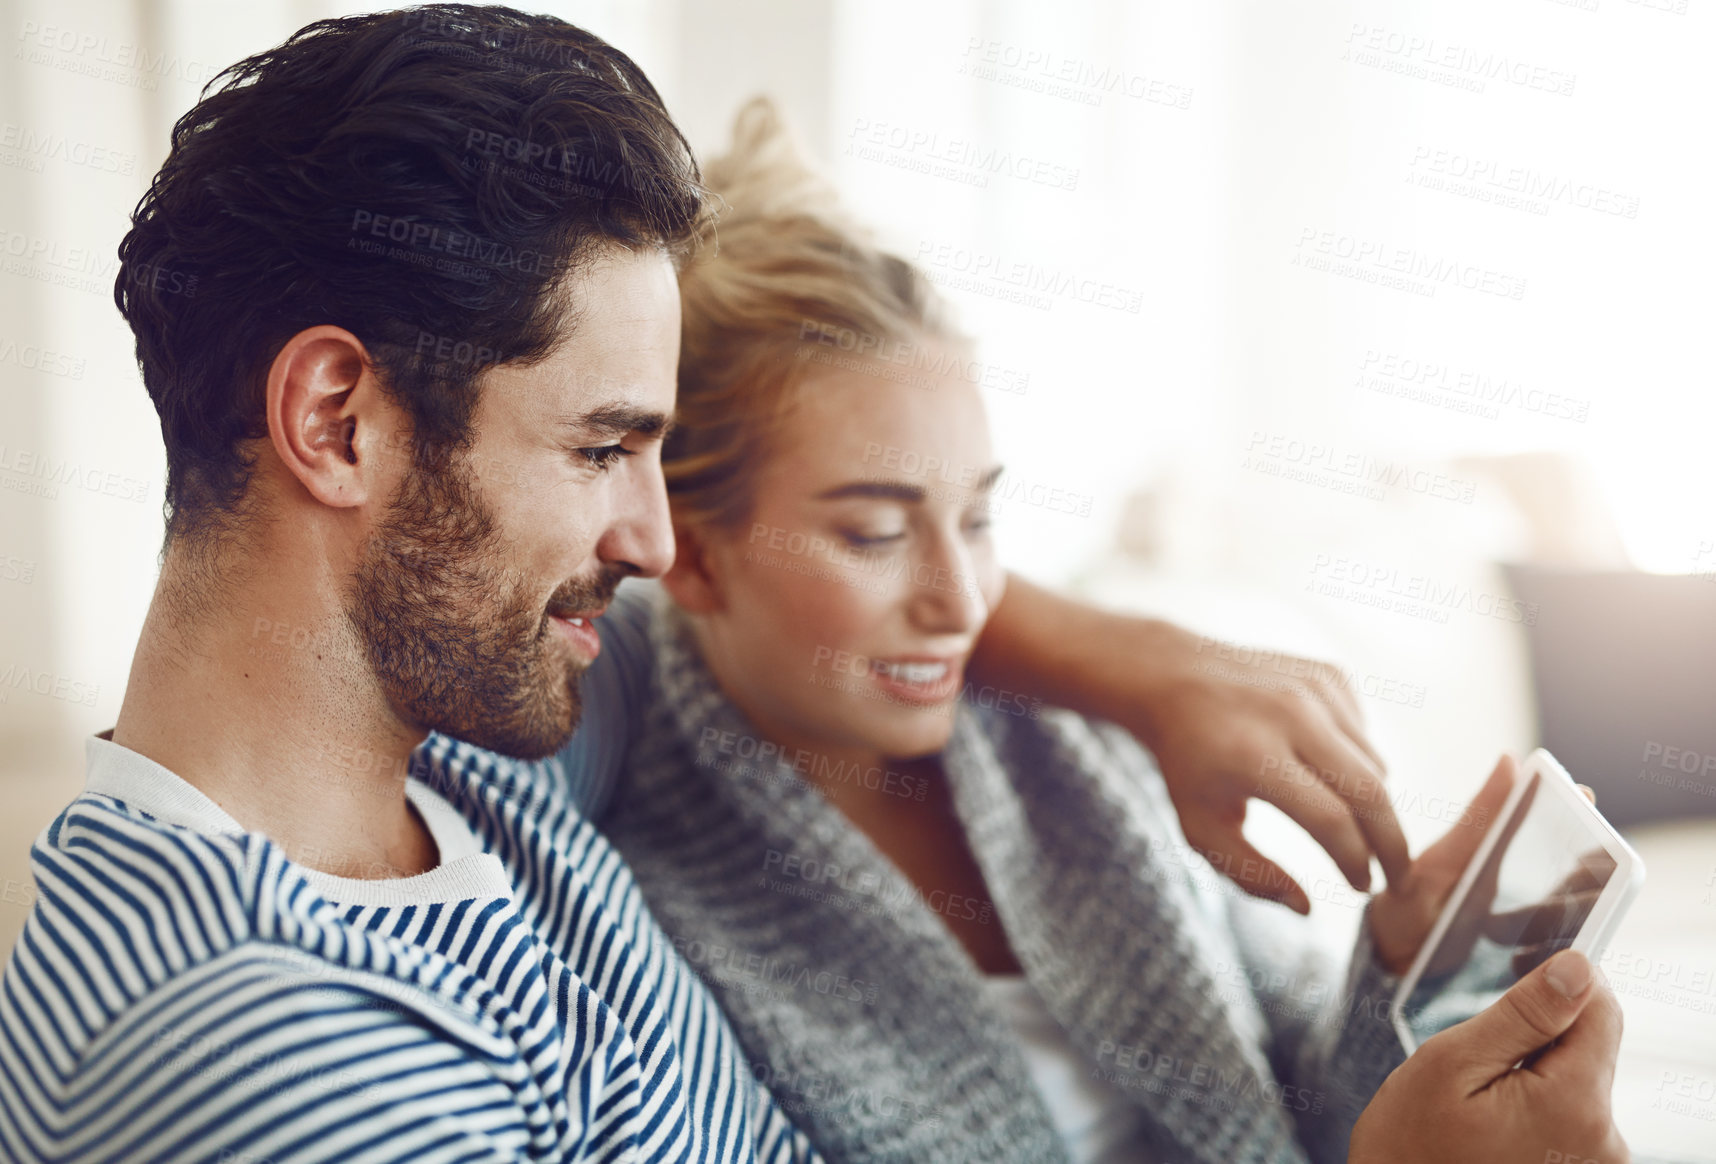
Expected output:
(1550, 874)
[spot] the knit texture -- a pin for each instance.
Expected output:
(868, 1019)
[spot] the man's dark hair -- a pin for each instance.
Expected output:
(424, 178)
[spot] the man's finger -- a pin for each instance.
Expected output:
(1317, 810)
(1584, 1057)
(1255, 873)
(1534, 1012)
(1528, 958)
(1359, 784)
(1344, 706)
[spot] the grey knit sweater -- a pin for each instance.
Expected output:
(868, 1019)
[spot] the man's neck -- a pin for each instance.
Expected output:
(259, 695)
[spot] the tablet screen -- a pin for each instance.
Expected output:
(1531, 896)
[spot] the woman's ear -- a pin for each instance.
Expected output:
(692, 581)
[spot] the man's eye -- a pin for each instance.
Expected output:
(602, 456)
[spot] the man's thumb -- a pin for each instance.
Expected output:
(1536, 1010)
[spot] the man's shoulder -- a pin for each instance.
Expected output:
(135, 921)
(107, 857)
(127, 907)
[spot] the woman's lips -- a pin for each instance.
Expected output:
(923, 680)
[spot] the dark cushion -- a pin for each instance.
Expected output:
(1624, 666)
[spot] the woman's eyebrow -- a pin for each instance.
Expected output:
(881, 490)
(900, 490)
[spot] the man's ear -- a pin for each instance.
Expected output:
(693, 579)
(327, 417)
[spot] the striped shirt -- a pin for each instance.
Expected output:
(182, 992)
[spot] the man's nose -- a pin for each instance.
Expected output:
(639, 536)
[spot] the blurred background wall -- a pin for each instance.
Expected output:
(1298, 322)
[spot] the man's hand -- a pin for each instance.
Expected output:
(1283, 729)
(1224, 727)
(1460, 1097)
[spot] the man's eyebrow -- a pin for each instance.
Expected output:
(623, 420)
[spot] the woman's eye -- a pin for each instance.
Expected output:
(602, 456)
(981, 523)
(869, 541)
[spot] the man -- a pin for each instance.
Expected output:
(412, 422)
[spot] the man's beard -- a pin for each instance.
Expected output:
(459, 643)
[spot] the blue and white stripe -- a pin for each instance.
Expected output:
(182, 996)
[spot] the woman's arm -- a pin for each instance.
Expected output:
(1223, 731)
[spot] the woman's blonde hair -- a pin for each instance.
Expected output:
(782, 282)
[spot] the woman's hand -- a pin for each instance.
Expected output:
(1459, 1097)
(1402, 915)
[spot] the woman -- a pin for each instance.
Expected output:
(947, 923)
